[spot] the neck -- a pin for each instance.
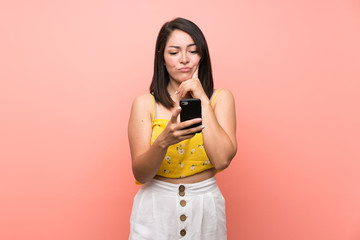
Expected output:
(172, 87)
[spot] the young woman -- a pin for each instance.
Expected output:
(179, 197)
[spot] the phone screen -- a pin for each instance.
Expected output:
(190, 109)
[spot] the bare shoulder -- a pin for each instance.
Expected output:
(144, 101)
(224, 96)
(225, 112)
(142, 106)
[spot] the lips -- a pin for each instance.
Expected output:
(185, 69)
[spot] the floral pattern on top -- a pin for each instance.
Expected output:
(183, 159)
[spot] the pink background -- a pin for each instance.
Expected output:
(69, 71)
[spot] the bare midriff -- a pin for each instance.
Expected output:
(209, 173)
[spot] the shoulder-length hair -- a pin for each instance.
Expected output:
(160, 80)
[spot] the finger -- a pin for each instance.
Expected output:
(196, 73)
(191, 131)
(175, 115)
(182, 138)
(184, 88)
(195, 129)
(180, 89)
(188, 123)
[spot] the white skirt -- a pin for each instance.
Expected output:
(166, 211)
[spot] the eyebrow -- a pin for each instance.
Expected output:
(177, 47)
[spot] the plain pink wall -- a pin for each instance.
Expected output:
(70, 69)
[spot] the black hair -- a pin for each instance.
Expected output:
(160, 80)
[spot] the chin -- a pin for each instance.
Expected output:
(184, 77)
(182, 80)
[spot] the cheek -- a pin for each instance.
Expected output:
(169, 67)
(169, 62)
(196, 60)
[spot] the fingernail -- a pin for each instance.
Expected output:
(176, 92)
(202, 126)
(179, 107)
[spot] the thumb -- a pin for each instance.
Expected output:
(175, 115)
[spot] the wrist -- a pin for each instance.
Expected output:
(161, 144)
(205, 103)
(205, 100)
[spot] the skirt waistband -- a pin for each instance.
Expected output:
(198, 188)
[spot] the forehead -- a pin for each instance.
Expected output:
(179, 38)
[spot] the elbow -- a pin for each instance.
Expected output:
(140, 181)
(139, 175)
(222, 164)
(139, 178)
(225, 160)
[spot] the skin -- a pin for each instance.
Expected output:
(219, 135)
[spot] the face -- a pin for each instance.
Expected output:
(181, 56)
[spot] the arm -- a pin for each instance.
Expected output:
(146, 159)
(220, 133)
(220, 121)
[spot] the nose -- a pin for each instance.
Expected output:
(184, 58)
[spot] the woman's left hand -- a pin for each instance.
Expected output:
(193, 87)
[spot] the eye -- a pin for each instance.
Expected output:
(172, 53)
(194, 52)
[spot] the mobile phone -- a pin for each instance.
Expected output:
(190, 109)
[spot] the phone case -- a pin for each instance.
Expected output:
(190, 109)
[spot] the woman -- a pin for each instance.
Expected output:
(179, 197)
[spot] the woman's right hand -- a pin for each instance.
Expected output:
(175, 132)
(147, 158)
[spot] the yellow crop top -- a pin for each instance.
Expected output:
(185, 158)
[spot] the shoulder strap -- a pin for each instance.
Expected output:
(154, 107)
(214, 96)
